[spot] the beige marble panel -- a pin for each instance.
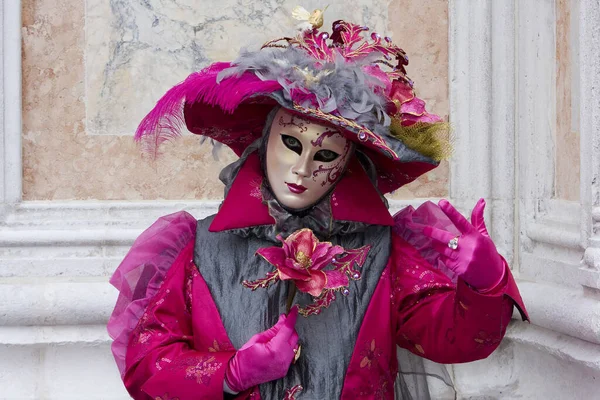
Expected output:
(138, 49)
(421, 29)
(567, 135)
(61, 161)
(92, 69)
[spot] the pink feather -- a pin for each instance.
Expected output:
(166, 119)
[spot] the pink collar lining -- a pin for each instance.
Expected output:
(354, 199)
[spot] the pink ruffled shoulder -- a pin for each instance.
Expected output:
(141, 273)
(409, 224)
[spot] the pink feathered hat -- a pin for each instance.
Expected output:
(342, 79)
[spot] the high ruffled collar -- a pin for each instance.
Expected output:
(250, 209)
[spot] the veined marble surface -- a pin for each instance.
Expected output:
(93, 69)
(137, 49)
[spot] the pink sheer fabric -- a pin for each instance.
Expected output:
(174, 351)
(410, 224)
(141, 273)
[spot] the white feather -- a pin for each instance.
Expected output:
(300, 13)
(304, 26)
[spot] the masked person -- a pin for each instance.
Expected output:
(303, 286)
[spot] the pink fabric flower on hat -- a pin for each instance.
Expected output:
(302, 259)
(410, 108)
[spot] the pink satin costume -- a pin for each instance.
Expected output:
(170, 343)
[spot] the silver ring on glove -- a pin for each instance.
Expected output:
(453, 244)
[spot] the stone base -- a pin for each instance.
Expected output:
(533, 363)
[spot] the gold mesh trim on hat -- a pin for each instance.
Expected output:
(364, 134)
(433, 140)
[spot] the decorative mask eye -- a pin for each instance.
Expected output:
(326, 155)
(292, 143)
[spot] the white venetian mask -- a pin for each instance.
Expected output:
(304, 159)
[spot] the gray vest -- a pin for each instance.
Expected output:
(225, 260)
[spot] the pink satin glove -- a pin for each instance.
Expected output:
(475, 258)
(267, 356)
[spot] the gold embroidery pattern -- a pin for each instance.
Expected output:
(217, 347)
(487, 339)
(191, 273)
(200, 368)
(363, 133)
(145, 336)
(291, 394)
(148, 325)
(370, 354)
(224, 136)
(321, 302)
(414, 345)
(255, 191)
(161, 362)
(375, 390)
(377, 381)
(462, 307)
(380, 391)
(272, 277)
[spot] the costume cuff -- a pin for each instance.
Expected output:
(497, 287)
(226, 387)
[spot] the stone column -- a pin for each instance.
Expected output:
(556, 355)
(10, 103)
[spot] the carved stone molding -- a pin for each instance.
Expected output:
(482, 80)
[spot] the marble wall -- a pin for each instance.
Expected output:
(567, 107)
(421, 29)
(91, 70)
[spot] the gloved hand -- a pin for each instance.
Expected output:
(266, 356)
(475, 258)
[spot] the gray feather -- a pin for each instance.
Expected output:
(347, 91)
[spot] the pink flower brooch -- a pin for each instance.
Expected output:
(302, 260)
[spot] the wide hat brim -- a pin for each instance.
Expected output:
(233, 111)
